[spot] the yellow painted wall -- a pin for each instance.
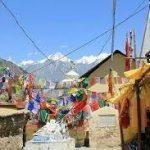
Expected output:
(117, 65)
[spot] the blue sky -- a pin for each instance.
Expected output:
(61, 25)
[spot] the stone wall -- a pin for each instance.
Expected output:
(11, 142)
(104, 137)
(11, 130)
(11, 125)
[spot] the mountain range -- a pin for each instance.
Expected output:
(58, 65)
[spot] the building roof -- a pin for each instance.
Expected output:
(102, 62)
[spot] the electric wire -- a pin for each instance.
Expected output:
(97, 37)
(24, 30)
(73, 50)
(102, 49)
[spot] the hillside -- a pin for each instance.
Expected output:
(14, 69)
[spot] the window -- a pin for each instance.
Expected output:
(107, 120)
(97, 79)
(102, 80)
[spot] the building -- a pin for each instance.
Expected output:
(102, 69)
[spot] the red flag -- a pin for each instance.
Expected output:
(127, 50)
(124, 114)
(110, 84)
(79, 106)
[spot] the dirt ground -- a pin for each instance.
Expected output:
(101, 148)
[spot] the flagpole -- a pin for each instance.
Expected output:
(135, 52)
(113, 29)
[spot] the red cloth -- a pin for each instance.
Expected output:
(94, 105)
(79, 106)
(110, 84)
(43, 105)
(53, 110)
(30, 91)
(124, 114)
(127, 51)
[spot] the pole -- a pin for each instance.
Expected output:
(121, 131)
(131, 48)
(134, 45)
(138, 114)
(113, 29)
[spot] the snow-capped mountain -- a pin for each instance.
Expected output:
(54, 57)
(58, 65)
(91, 59)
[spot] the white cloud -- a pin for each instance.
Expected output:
(59, 56)
(42, 61)
(91, 59)
(26, 62)
(10, 59)
(102, 56)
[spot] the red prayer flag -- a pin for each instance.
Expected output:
(79, 106)
(124, 114)
(127, 51)
(94, 105)
(110, 84)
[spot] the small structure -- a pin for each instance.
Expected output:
(12, 128)
(104, 130)
(72, 74)
(71, 77)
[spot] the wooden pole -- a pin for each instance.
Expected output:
(24, 135)
(121, 131)
(113, 29)
(138, 114)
